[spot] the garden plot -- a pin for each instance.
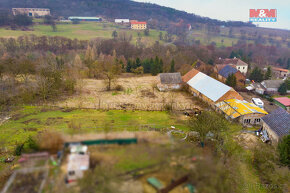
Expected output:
(137, 93)
(126, 168)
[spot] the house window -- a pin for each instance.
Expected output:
(239, 68)
(71, 173)
(247, 120)
(257, 120)
(243, 67)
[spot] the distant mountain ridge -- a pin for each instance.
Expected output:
(117, 9)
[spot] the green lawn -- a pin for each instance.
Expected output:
(30, 120)
(82, 31)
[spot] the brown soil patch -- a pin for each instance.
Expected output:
(247, 140)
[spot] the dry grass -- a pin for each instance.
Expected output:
(138, 93)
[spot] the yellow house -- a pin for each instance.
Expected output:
(138, 25)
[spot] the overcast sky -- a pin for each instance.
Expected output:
(231, 9)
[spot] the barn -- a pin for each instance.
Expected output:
(277, 124)
(169, 81)
(208, 89)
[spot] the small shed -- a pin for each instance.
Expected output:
(283, 102)
(277, 124)
(169, 81)
(77, 164)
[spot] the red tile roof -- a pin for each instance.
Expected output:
(280, 69)
(283, 100)
(234, 61)
(138, 22)
(189, 75)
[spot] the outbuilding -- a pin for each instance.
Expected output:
(208, 89)
(242, 111)
(283, 102)
(277, 124)
(169, 81)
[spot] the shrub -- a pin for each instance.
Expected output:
(119, 88)
(18, 149)
(284, 151)
(32, 143)
(50, 141)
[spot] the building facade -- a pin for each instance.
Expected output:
(225, 72)
(235, 62)
(32, 12)
(244, 112)
(276, 125)
(169, 81)
(121, 21)
(280, 72)
(138, 25)
(72, 18)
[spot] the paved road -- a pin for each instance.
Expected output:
(267, 105)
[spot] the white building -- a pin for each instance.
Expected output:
(122, 21)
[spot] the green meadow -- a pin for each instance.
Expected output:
(82, 31)
(30, 120)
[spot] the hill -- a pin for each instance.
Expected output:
(118, 9)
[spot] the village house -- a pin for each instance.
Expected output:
(208, 89)
(280, 72)
(138, 25)
(283, 102)
(169, 81)
(272, 86)
(276, 124)
(234, 62)
(32, 12)
(266, 87)
(225, 72)
(244, 112)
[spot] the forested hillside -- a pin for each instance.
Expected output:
(116, 9)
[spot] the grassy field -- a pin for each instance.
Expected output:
(82, 31)
(31, 120)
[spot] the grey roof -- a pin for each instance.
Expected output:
(170, 78)
(272, 83)
(209, 87)
(278, 121)
(227, 70)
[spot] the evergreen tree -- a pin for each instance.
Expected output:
(231, 81)
(155, 66)
(257, 75)
(284, 87)
(146, 66)
(129, 66)
(268, 74)
(137, 62)
(172, 66)
(160, 66)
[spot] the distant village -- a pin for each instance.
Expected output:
(41, 12)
